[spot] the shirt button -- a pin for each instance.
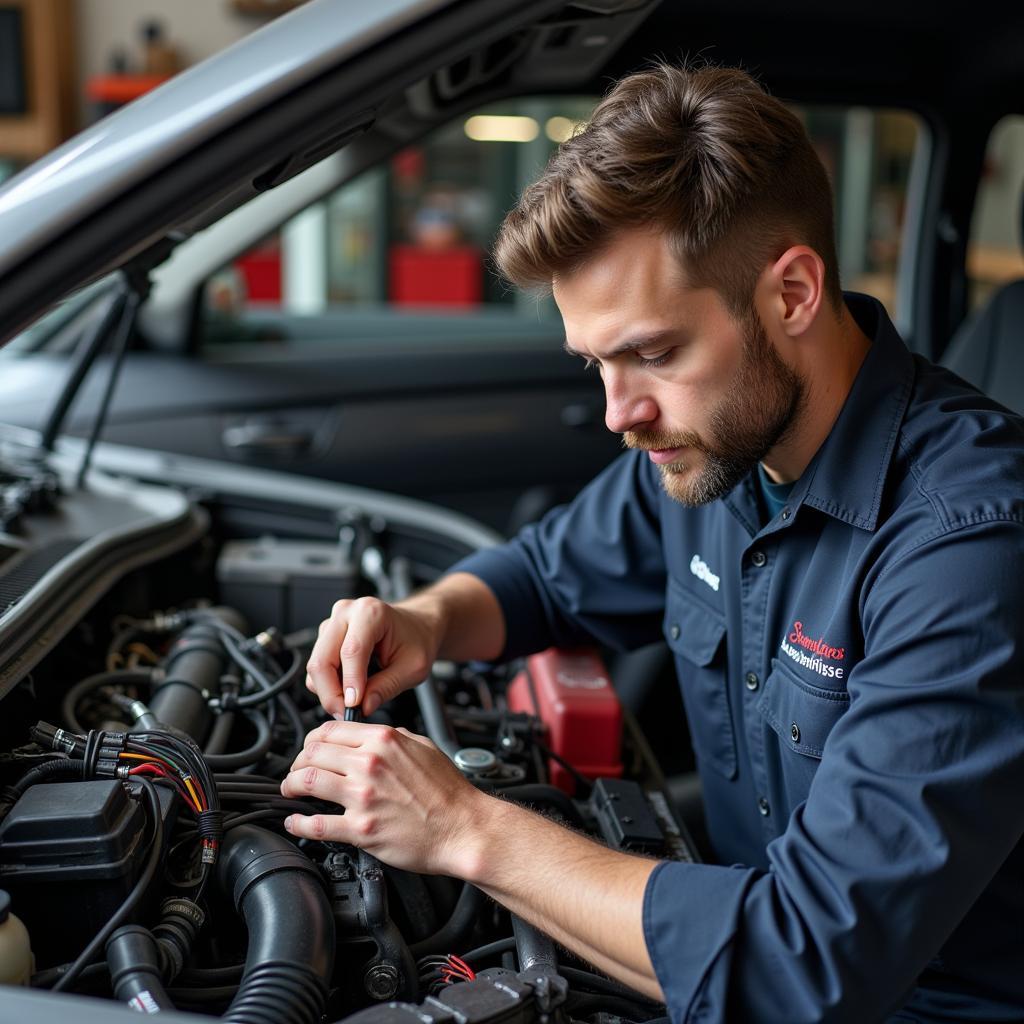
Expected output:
(794, 731)
(786, 513)
(758, 558)
(673, 631)
(752, 681)
(762, 806)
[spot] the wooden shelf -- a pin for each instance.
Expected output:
(49, 79)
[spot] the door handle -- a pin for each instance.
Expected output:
(266, 439)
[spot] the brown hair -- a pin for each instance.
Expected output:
(702, 153)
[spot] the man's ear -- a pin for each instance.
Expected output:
(796, 283)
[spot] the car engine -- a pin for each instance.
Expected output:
(153, 640)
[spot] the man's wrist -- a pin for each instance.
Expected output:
(484, 835)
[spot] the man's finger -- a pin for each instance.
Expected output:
(348, 734)
(322, 668)
(314, 781)
(318, 826)
(365, 629)
(333, 757)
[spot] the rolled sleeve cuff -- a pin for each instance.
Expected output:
(691, 915)
(504, 572)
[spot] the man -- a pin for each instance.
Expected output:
(829, 532)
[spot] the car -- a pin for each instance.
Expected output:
(227, 403)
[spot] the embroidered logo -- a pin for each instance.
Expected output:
(797, 645)
(700, 569)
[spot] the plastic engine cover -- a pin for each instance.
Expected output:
(571, 693)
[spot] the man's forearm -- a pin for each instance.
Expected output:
(585, 896)
(468, 620)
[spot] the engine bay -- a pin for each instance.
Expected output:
(144, 742)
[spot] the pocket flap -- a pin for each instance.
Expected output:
(691, 630)
(801, 714)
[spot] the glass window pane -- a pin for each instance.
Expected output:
(994, 255)
(411, 239)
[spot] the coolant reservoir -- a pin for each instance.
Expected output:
(16, 960)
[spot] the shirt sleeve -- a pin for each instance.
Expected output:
(914, 808)
(589, 571)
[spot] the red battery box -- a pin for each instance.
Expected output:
(570, 692)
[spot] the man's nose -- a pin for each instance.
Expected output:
(626, 408)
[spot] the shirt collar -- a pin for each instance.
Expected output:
(846, 477)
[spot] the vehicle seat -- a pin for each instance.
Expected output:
(988, 348)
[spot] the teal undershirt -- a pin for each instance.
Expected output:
(773, 495)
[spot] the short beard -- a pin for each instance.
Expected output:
(759, 410)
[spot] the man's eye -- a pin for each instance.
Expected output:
(655, 360)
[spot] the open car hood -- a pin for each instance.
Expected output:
(126, 190)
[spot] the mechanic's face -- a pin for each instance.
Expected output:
(705, 396)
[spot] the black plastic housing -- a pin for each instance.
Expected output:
(70, 853)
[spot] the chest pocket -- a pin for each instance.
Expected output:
(696, 635)
(801, 716)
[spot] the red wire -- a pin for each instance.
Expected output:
(464, 968)
(157, 769)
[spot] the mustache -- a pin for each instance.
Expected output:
(654, 440)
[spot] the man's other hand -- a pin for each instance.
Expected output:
(404, 641)
(403, 800)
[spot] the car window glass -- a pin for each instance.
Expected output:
(405, 246)
(995, 254)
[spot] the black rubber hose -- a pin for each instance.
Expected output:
(454, 933)
(118, 677)
(192, 670)
(291, 673)
(278, 892)
(252, 753)
(435, 718)
(416, 901)
(535, 950)
(291, 712)
(134, 962)
(138, 891)
(219, 734)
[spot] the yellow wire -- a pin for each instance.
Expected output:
(195, 797)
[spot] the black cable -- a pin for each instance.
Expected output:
(138, 891)
(211, 975)
(583, 1005)
(581, 779)
(117, 677)
(273, 689)
(608, 986)
(291, 712)
(46, 977)
(254, 752)
(464, 917)
(491, 949)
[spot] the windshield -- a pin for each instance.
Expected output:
(50, 332)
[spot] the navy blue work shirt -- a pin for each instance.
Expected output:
(853, 678)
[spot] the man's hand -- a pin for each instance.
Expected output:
(404, 801)
(457, 618)
(405, 642)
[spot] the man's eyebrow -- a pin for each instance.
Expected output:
(629, 345)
